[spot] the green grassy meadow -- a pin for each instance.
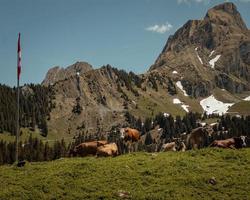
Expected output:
(168, 175)
(242, 108)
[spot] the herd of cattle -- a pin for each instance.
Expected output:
(197, 138)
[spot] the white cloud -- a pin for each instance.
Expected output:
(160, 28)
(182, 1)
(207, 1)
(191, 1)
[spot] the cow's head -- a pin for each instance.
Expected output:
(208, 130)
(122, 133)
(243, 138)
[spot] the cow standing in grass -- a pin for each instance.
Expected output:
(199, 137)
(130, 135)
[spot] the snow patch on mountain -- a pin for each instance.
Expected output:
(198, 55)
(214, 60)
(177, 101)
(212, 105)
(247, 99)
(179, 85)
(211, 53)
(199, 59)
(185, 107)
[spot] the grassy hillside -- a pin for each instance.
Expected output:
(24, 136)
(51, 138)
(242, 108)
(140, 175)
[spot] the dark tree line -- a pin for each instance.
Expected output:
(33, 150)
(35, 106)
(173, 127)
(127, 79)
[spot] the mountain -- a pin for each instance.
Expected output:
(209, 53)
(205, 65)
(56, 74)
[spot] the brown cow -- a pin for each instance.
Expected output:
(233, 143)
(87, 148)
(199, 137)
(107, 150)
(129, 134)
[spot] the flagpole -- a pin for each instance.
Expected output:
(18, 93)
(17, 121)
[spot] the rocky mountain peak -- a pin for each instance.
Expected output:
(80, 67)
(226, 14)
(220, 21)
(214, 49)
(228, 7)
(57, 73)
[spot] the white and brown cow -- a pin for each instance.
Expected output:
(174, 146)
(130, 134)
(233, 143)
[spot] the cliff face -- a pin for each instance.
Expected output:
(208, 53)
(87, 101)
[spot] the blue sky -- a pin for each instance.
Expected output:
(127, 34)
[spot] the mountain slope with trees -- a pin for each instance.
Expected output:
(196, 62)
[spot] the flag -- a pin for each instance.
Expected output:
(18, 57)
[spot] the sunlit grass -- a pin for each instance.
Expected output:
(143, 175)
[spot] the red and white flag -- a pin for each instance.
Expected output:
(19, 56)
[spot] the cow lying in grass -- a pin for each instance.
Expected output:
(107, 150)
(232, 143)
(98, 148)
(174, 146)
(87, 148)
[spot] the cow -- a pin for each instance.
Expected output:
(171, 146)
(174, 146)
(107, 150)
(232, 143)
(21, 163)
(215, 126)
(87, 148)
(199, 137)
(130, 134)
(182, 147)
